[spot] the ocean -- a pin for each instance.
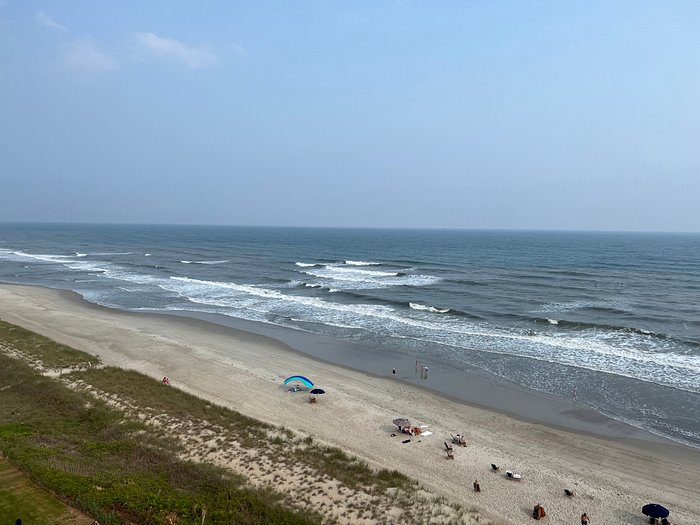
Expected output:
(611, 320)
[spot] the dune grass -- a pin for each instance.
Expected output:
(112, 468)
(93, 458)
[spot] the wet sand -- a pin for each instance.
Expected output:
(613, 468)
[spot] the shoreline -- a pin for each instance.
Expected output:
(243, 370)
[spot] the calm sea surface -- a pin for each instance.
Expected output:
(614, 317)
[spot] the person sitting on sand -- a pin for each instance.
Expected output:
(585, 520)
(165, 380)
(450, 454)
(538, 512)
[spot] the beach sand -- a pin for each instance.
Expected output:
(611, 476)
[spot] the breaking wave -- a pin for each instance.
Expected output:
(417, 306)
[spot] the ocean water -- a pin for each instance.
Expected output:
(613, 318)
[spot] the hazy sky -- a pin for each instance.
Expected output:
(489, 114)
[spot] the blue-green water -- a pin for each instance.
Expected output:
(613, 316)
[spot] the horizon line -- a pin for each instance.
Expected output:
(335, 227)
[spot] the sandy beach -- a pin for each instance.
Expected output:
(612, 476)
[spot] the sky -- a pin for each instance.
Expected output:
(380, 113)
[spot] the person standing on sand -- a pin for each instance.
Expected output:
(585, 520)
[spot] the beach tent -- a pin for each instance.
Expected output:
(299, 379)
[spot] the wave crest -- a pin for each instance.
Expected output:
(360, 263)
(205, 262)
(417, 306)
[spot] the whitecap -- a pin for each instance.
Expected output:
(361, 263)
(417, 306)
(211, 262)
(354, 278)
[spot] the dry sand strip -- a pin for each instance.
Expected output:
(612, 478)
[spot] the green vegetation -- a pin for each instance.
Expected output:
(89, 455)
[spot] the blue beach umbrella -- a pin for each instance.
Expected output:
(654, 510)
(299, 379)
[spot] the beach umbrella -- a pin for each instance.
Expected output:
(299, 379)
(317, 391)
(654, 510)
(402, 422)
